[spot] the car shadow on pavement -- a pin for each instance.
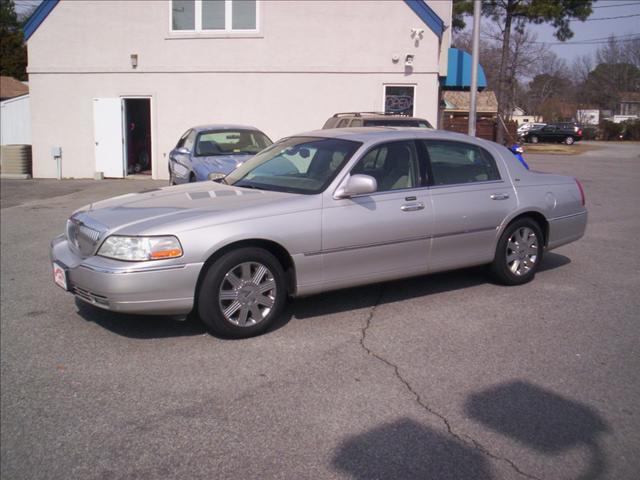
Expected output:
(140, 326)
(542, 420)
(398, 290)
(158, 326)
(408, 449)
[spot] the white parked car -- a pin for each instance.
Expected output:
(525, 127)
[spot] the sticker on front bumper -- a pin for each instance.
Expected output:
(60, 276)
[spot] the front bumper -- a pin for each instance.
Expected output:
(154, 288)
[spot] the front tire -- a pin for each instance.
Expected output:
(519, 253)
(242, 293)
(569, 140)
(534, 139)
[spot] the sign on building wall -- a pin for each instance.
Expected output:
(399, 99)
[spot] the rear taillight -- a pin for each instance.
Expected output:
(582, 199)
(579, 132)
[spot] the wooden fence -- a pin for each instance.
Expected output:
(485, 128)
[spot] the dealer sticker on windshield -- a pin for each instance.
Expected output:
(60, 276)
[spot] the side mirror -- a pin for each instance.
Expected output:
(183, 151)
(356, 185)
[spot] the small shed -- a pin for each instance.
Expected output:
(457, 104)
(15, 121)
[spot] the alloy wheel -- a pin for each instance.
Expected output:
(522, 251)
(247, 294)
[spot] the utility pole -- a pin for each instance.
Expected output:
(474, 68)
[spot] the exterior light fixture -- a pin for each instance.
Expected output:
(134, 60)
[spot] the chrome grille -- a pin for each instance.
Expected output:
(84, 234)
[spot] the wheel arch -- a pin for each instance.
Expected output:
(539, 218)
(277, 250)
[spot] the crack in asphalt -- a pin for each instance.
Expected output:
(463, 438)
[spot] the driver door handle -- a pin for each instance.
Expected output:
(412, 207)
(499, 196)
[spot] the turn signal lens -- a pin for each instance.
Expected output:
(173, 253)
(140, 249)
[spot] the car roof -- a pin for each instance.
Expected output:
(374, 134)
(223, 126)
(376, 116)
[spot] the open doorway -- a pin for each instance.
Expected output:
(137, 137)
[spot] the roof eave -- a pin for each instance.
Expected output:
(37, 17)
(428, 16)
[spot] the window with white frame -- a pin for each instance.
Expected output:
(214, 15)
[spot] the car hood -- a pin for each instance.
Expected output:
(184, 207)
(223, 163)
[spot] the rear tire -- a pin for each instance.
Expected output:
(569, 140)
(242, 293)
(534, 139)
(519, 253)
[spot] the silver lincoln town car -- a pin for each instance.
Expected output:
(319, 211)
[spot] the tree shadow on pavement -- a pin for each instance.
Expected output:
(407, 449)
(542, 420)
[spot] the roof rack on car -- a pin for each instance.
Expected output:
(357, 114)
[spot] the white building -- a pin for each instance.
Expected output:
(588, 116)
(281, 66)
(521, 117)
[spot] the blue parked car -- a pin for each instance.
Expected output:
(211, 152)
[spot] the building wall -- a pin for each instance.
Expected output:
(308, 61)
(522, 119)
(588, 116)
(15, 124)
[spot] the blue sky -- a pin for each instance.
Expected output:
(626, 27)
(584, 31)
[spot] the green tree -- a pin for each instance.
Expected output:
(605, 84)
(511, 15)
(13, 53)
(546, 95)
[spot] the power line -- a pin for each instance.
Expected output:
(590, 43)
(617, 38)
(611, 18)
(616, 5)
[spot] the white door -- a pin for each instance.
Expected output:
(107, 130)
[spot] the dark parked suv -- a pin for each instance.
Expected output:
(554, 132)
(374, 119)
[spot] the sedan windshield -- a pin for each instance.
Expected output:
(230, 142)
(297, 165)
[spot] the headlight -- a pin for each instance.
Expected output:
(216, 176)
(138, 249)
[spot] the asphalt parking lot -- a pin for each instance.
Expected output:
(440, 377)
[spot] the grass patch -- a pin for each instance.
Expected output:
(558, 148)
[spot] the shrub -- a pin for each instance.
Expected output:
(589, 132)
(610, 130)
(631, 130)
